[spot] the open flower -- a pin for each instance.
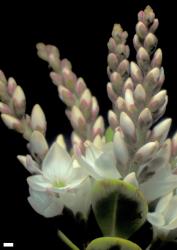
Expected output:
(99, 163)
(60, 180)
(164, 219)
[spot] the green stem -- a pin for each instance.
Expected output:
(67, 241)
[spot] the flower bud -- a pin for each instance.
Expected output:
(143, 59)
(65, 63)
(77, 119)
(85, 103)
(174, 144)
(139, 94)
(127, 126)
(157, 100)
(5, 109)
(151, 80)
(112, 118)
(131, 179)
(129, 100)
(146, 152)
(94, 108)
(61, 141)
(154, 26)
(56, 78)
(136, 42)
(38, 145)
(19, 101)
(141, 30)
(69, 79)
(2, 77)
(128, 84)
(112, 96)
(120, 148)
(112, 61)
(145, 119)
(121, 104)
(80, 86)
(161, 130)
(117, 32)
(12, 122)
(112, 45)
(11, 85)
(116, 81)
(136, 73)
(150, 43)
(157, 59)
(66, 96)
(99, 141)
(123, 68)
(38, 120)
(98, 127)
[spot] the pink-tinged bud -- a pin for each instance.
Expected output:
(157, 59)
(69, 79)
(143, 59)
(66, 96)
(120, 104)
(56, 78)
(112, 61)
(141, 16)
(127, 126)
(38, 120)
(38, 145)
(11, 85)
(116, 81)
(174, 145)
(129, 100)
(61, 141)
(2, 77)
(136, 42)
(19, 101)
(165, 152)
(85, 103)
(98, 127)
(151, 80)
(112, 45)
(78, 145)
(160, 112)
(65, 63)
(77, 119)
(5, 109)
(136, 73)
(131, 179)
(157, 101)
(120, 148)
(42, 51)
(150, 43)
(123, 68)
(12, 122)
(3, 91)
(80, 86)
(111, 94)
(141, 30)
(146, 152)
(145, 119)
(112, 118)
(149, 14)
(161, 130)
(128, 84)
(76, 139)
(161, 77)
(94, 108)
(139, 94)
(154, 26)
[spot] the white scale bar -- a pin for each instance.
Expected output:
(8, 244)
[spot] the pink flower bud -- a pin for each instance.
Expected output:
(12, 122)
(66, 96)
(161, 130)
(136, 73)
(157, 59)
(146, 152)
(139, 94)
(19, 101)
(94, 108)
(157, 101)
(127, 126)
(141, 30)
(112, 118)
(38, 120)
(150, 42)
(11, 86)
(5, 109)
(69, 79)
(56, 78)
(38, 145)
(111, 94)
(80, 86)
(77, 119)
(98, 127)
(112, 61)
(145, 119)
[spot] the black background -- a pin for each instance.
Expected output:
(81, 31)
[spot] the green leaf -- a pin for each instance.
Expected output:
(112, 243)
(109, 134)
(119, 207)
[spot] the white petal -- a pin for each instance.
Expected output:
(131, 178)
(39, 183)
(156, 219)
(45, 204)
(92, 153)
(163, 203)
(56, 163)
(171, 211)
(160, 184)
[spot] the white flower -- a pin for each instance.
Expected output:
(99, 163)
(164, 219)
(62, 182)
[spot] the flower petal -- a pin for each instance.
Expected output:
(45, 204)
(56, 163)
(156, 219)
(39, 183)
